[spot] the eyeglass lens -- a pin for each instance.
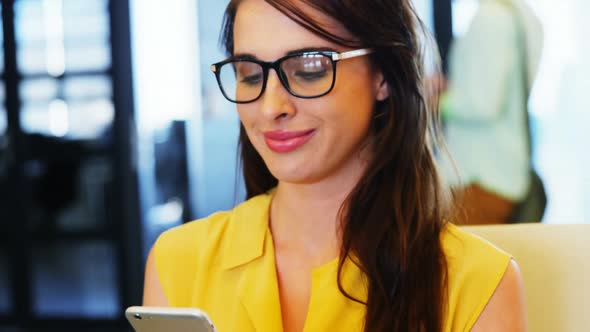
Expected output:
(306, 75)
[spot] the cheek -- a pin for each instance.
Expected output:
(246, 115)
(353, 116)
(356, 90)
(347, 120)
(353, 103)
(248, 121)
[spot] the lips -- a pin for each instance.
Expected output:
(281, 141)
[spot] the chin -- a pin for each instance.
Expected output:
(295, 175)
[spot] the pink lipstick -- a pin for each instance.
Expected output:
(281, 141)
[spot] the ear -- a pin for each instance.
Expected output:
(381, 87)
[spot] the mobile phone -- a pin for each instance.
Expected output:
(167, 319)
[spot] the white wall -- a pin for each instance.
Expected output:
(561, 106)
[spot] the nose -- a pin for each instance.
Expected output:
(276, 101)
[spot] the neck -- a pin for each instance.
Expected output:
(305, 217)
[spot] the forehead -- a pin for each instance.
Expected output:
(264, 31)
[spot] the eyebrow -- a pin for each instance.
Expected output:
(292, 52)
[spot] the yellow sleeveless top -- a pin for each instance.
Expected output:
(224, 264)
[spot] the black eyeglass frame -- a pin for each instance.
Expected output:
(276, 65)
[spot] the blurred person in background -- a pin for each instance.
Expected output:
(484, 110)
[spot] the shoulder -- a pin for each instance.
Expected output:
(463, 247)
(187, 238)
(494, 21)
(176, 254)
(198, 248)
(499, 9)
(506, 310)
(475, 269)
(209, 236)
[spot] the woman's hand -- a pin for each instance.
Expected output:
(153, 293)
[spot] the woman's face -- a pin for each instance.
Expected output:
(306, 140)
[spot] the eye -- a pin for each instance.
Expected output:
(251, 79)
(249, 73)
(308, 68)
(311, 75)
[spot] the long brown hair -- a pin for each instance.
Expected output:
(392, 220)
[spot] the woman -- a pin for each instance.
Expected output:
(344, 226)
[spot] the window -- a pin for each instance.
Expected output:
(64, 56)
(69, 195)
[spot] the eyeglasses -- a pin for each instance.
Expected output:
(304, 75)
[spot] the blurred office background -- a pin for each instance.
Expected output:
(112, 130)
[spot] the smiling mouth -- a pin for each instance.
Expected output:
(286, 141)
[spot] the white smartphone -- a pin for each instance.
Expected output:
(166, 319)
